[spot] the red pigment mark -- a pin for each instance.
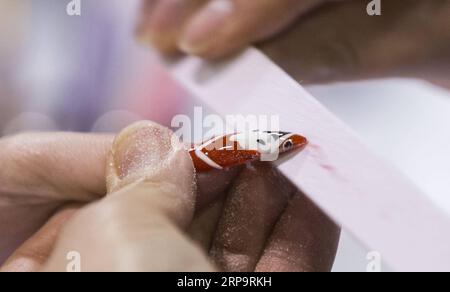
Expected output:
(320, 157)
(328, 167)
(315, 147)
(317, 153)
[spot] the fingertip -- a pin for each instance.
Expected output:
(149, 169)
(164, 43)
(148, 151)
(204, 32)
(162, 23)
(224, 27)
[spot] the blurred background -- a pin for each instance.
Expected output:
(87, 74)
(82, 73)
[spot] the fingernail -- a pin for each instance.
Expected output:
(143, 149)
(161, 26)
(205, 26)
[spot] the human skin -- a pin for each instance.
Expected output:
(313, 40)
(149, 211)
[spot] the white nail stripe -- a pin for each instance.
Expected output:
(204, 145)
(202, 156)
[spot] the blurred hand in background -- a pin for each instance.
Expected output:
(314, 40)
(155, 216)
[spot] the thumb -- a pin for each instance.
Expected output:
(148, 158)
(138, 226)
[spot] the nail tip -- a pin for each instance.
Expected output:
(187, 47)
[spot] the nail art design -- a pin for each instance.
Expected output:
(235, 149)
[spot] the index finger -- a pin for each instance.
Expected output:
(41, 172)
(53, 167)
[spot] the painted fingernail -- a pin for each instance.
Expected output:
(204, 27)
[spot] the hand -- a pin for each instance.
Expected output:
(40, 175)
(314, 40)
(153, 218)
